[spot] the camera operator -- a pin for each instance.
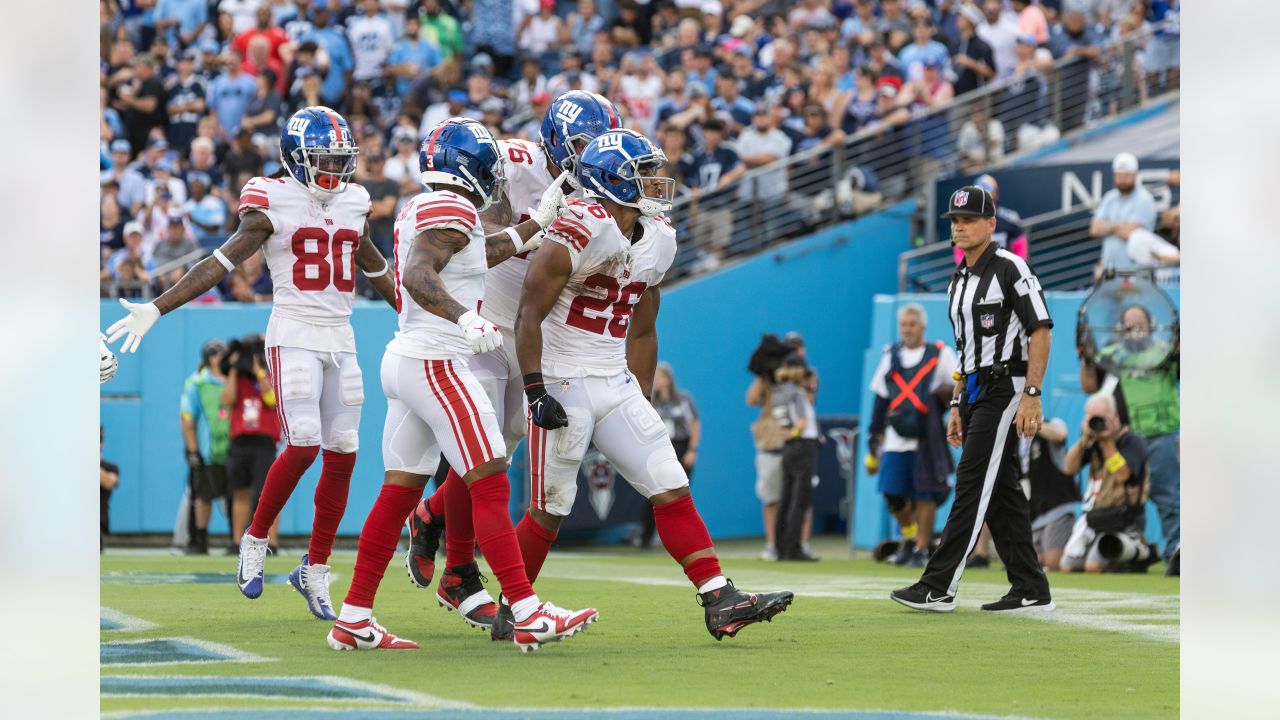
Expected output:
(255, 427)
(768, 436)
(1118, 487)
(1051, 493)
(794, 412)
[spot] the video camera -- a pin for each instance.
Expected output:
(241, 352)
(768, 356)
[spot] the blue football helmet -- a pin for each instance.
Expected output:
(317, 149)
(573, 120)
(621, 165)
(462, 152)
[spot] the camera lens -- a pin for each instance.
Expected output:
(1097, 424)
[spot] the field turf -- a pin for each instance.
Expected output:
(178, 640)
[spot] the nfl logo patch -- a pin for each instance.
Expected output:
(961, 198)
(988, 321)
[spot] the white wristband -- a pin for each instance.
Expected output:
(380, 273)
(515, 239)
(217, 255)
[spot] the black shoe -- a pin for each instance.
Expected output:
(1016, 605)
(728, 609)
(906, 549)
(978, 561)
(461, 582)
(504, 623)
(425, 531)
(923, 597)
(1174, 564)
(800, 556)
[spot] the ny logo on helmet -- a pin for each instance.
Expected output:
(298, 125)
(482, 134)
(960, 198)
(568, 112)
(611, 141)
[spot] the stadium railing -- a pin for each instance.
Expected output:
(884, 164)
(112, 288)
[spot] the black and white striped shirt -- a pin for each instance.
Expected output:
(993, 306)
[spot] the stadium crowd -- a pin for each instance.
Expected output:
(194, 92)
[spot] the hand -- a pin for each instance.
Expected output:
(107, 363)
(257, 366)
(550, 203)
(481, 334)
(545, 411)
(194, 459)
(136, 324)
(871, 463)
(1126, 228)
(1027, 419)
(689, 458)
(955, 435)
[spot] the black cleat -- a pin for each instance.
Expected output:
(728, 609)
(1016, 605)
(504, 623)
(923, 597)
(461, 590)
(906, 549)
(425, 531)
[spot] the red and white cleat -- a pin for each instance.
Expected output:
(366, 635)
(461, 590)
(551, 624)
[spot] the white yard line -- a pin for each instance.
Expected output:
(127, 622)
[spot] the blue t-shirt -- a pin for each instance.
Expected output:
(188, 13)
(212, 211)
(1139, 207)
(229, 97)
(340, 62)
(422, 53)
(913, 56)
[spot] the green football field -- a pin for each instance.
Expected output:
(179, 641)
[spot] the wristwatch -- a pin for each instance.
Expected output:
(1031, 391)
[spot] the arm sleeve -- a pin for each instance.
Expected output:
(879, 411)
(571, 232)
(256, 196)
(444, 211)
(1028, 299)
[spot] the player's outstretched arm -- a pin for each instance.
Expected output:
(642, 339)
(549, 271)
(512, 241)
(376, 268)
(253, 232)
(431, 251)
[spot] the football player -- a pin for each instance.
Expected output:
(312, 227)
(572, 120)
(587, 343)
(434, 404)
(107, 362)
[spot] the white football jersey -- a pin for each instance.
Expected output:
(524, 164)
(586, 332)
(312, 260)
(423, 334)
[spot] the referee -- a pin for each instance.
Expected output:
(1002, 339)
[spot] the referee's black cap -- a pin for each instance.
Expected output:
(971, 200)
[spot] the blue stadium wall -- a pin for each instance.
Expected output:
(821, 286)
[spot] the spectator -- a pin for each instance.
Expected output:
(882, 62)
(794, 411)
(132, 278)
(858, 108)
(204, 159)
(582, 25)
(412, 57)
(262, 114)
(254, 430)
(639, 88)
(1031, 21)
(813, 175)
(758, 145)
(205, 435)
(181, 22)
(383, 196)
(894, 24)
(974, 61)
(1161, 56)
(259, 61)
(980, 141)
(441, 28)
(531, 82)
(730, 104)
(132, 250)
(251, 282)
(185, 101)
(925, 98)
(680, 414)
(242, 159)
(206, 212)
(111, 223)
(177, 242)
(768, 437)
(1076, 42)
(1053, 493)
(1009, 233)
(264, 28)
(541, 31)
(907, 443)
(454, 105)
(1124, 208)
(923, 47)
(1118, 486)
(372, 40)
(230, 93)
(108, 480)
(860, 27)
(1000, 31)
(337, 74)
(572, 76)
(494, 29)
(1148, 400)
(711, 172)
(243, 13)
(132, 194)
(1023, 105)
(141, 101)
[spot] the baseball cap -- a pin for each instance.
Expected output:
(971, 200)
(1125, 163)
(132, 227)
(540, 98)
(121, 146)
(457, 96)
(211, 348)
(793, 338)
(158, 144)
(198, 177)
(972, 14)
(175, 218)
(741, 26)
(1027, 39)
(931, 62)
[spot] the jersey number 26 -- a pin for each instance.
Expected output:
(614, 308)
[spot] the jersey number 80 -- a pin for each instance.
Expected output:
(341, 248)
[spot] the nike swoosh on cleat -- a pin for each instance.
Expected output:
(928, 597)
(544, 627)
(1026, 602)
(362, 638)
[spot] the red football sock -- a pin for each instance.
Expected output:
(460, 533)
(489, 496)
(282, 478)
(683, 533)
(331, 503)
(378, 541)
(535, 543)
(436, 503)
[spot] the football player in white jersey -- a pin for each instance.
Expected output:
(312, 228)
(588, 345)
(434, 404)
(572, 120)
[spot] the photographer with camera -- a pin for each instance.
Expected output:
(767, 434)
(255, 427)
(1108, 536)
(795, 415)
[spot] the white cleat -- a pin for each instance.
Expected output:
(366, 635)
(551, 624)
(253, 557)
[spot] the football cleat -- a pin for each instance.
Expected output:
(312, 582)
(906, 549)
(1016, 605)
(366, 635)
(922, 597)
(728, 609)
(425, 530)
(461, 590)
(504, 623)
(551, 624)
(253, 557)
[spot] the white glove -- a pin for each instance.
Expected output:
(481, 334)
(107, 362)
(139, 320)
(550, 204)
